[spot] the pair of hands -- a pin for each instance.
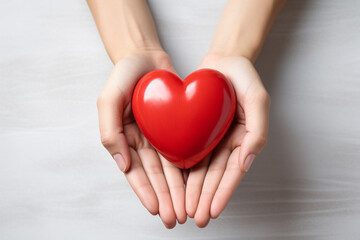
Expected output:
(159, 184)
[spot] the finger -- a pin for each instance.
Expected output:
(175, 182)
(154, 171)
(141, 184)
(217, 167)
(228, 184)
(194, 185)
(212, 180)
(111, 103)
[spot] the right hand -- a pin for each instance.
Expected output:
(158, 184)
(212, 183)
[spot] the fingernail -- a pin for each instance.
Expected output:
(248, 161)
(120, 161)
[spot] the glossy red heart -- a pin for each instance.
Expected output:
(184, 120)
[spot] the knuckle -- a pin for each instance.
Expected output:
(108, 140)
(261, 141)
(101, 99)
(261, 97)
(233, 166)
(264, 97)
(163, 191)
(267, 98)
(154, 169)
(215, 168)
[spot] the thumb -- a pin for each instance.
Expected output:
(110, 112)
(257, 120)
(115, 100)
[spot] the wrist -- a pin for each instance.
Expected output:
(217, 58)
(243, 27)
(125, 27)
(156, 57)
(129, 48)
(244, 47)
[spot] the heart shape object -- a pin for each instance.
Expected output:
(184, 120)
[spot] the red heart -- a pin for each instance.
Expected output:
(184, 120)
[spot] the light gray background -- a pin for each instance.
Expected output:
(58, 182)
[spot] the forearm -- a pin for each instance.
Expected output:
(243, 27)
(125, 26)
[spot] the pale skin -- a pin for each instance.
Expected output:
(129, 35)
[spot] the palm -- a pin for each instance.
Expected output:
(236, 131)
(134, 136)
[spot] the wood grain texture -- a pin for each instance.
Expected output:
(57, 182)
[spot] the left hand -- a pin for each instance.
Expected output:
(211, 183)
(158, 184)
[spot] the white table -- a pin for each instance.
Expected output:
(58, 182)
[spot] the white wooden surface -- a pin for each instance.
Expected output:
(57, 182)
